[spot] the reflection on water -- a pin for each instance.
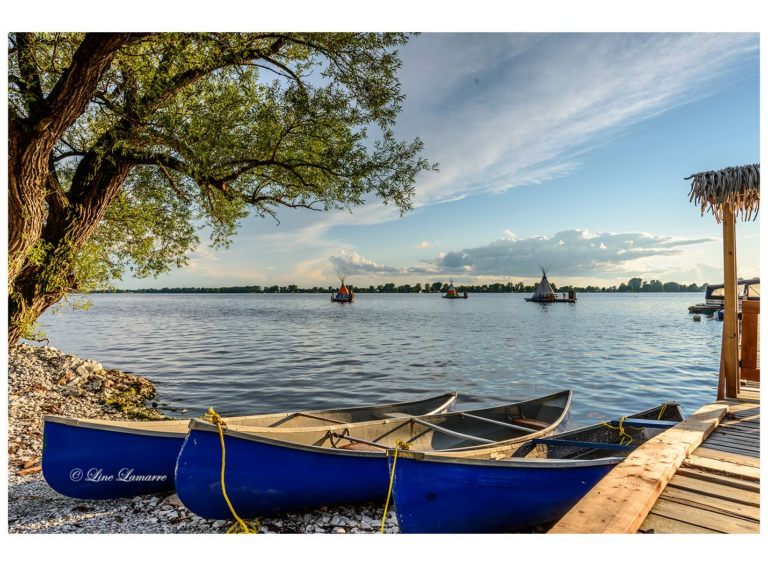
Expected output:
(260, 353)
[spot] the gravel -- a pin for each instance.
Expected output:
(46, 380)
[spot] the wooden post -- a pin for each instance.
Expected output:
(750, 313)
(731, 318)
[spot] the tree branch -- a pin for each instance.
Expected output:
(75, 88)
(29, 81)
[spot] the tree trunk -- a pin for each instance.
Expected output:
(27, 303)
(51, 275)
(40, 266)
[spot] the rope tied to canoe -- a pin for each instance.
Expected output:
(398, 445)
(240, 526)
(623, 434)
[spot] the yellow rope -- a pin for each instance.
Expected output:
(622, 432)
(240, 526)
(405, 446)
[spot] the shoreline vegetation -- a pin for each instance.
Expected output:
(44, 380)
(635, 285)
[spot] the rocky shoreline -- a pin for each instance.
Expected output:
(45, 380)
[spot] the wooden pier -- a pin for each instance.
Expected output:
(701, 476)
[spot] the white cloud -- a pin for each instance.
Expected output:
(425, 244)
(355, 264)
(573, 251)
(539, 102)
(203, 252)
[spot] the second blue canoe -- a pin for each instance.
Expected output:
(542, 480)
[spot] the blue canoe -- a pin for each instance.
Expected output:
(97, 459)
(542, 480)
(282, 470)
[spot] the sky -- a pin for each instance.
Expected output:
(567, 150)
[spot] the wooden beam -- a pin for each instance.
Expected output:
(620, 502)
(731, 314)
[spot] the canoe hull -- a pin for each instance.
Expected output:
(434, 497)
(102, 464)
(264, 479)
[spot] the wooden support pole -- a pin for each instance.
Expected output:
(731, 315)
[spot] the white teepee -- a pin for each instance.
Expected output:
(544, 290)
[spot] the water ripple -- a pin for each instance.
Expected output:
(257, 353)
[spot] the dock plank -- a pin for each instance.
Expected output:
(738, 459)
(705, 487)
(719, 466)
(711, 503)
(664, 525)
(704, 518)
(730, 481)
(731, 448)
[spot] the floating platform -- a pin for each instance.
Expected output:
(335, 300)
(705, 309)
(530, 300)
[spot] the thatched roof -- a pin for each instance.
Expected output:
(738, 186)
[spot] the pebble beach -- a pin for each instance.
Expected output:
(45, 380)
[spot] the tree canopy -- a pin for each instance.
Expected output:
(122, 146)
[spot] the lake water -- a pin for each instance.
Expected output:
(255, 353)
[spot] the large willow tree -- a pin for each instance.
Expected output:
(121, 146)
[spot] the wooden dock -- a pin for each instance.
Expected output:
(702, 476)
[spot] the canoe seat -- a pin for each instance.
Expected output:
(584, 444)
(646, 423)
(360, 447)
(396, 415)
(531, 423)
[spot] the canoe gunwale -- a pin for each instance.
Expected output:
(117, 426)
(137, 427)
(253, 436)
(509, 462)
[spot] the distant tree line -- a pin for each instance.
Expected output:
(635, 285)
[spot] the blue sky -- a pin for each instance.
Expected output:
(564, 149)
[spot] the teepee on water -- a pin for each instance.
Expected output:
(451, 293)
(544, 290)
(545, 294)
(343, 295)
